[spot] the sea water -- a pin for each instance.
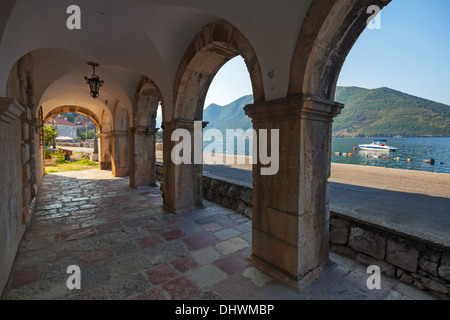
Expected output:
(415, 149)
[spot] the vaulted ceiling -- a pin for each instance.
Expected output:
(134, 38)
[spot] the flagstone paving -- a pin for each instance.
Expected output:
(128, 247)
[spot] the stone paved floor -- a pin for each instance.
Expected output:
(129, 247)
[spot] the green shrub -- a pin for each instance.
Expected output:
(60, 156)
(48, 154)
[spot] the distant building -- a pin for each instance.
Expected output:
(84, 126)
(64, 127)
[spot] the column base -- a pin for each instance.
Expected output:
(94, 157)
(181, 210)
(296, 282)
(121, 172)
(105, 165)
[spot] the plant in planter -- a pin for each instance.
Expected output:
(48, 154)
(60, 156)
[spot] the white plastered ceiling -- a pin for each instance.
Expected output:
(134, 38)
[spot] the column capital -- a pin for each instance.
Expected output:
(104, 135)
(10, 109)
(319, 109)
(294, 107)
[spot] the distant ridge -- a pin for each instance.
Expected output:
(381, 112)
(385, 112)
(231, 116)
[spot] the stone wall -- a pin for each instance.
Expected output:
(76, 144)
(11, 198)
(22, 162)
(411, 260)
(230, 195)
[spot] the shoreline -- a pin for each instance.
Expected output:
(393, 179)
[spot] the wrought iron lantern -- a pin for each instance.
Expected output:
(94, 81)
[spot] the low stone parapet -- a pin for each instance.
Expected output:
(411, 260)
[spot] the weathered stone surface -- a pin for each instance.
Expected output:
(248, 212)
(385, 268)
(234, 193)
(439, 279)
(430, 261)
(241, 207)
(422, 273)
(344, 250)
(247, 196)
(444, 269)
(25, 131)
(206, 182)
(434, 285)
(223, 189)
(418, 284)
(406, 278)
(416, 276)
(215, 184)
(339, 229)
(26, 173)
(25, 152)
(401, 254)
(367, 242)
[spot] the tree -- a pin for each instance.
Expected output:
(49, 135)
(86, 135)
(69, 116)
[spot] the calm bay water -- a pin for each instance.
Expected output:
(418, 149)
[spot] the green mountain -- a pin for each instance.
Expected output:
(384, 112)
(231, 116)
(379, 112)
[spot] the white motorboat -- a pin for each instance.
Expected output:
(377, 145)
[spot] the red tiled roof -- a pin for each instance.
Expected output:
(58, 120)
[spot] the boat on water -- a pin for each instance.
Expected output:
(377, 145)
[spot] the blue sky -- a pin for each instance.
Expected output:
(410, 53)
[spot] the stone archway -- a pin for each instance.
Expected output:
(328, 34)
(216, 44)
(291, 210)
(75, 109)
(120, 141)
(91, 115)
(143, 134)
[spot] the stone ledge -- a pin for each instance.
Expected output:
(414, 235)
(10, 110)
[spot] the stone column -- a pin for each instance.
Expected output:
(290, 208)
(182, 184)
(144, 157)
(94, 156)
(119, 155)
(104, 150)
